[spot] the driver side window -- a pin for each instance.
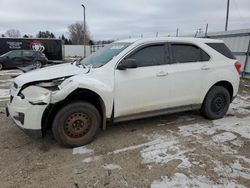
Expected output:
(15, 54)
(149, 56)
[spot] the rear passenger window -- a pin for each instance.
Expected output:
(222, 49)
(149, 56)
(183, 53)
(27, 54)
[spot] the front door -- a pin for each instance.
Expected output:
(145, 88)
(15, 58)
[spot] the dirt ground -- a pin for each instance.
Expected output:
(179, 150)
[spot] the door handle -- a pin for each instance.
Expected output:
(162, 74)
(205, 68)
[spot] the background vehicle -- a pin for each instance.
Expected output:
(126, 80)
(52, 48)
(22, 58)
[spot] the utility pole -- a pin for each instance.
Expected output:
(227, 15)
(84, 30)
(206, 31)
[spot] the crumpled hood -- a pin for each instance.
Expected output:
(49, 73)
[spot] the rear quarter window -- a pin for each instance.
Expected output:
(222, 49)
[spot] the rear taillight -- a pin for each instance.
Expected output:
(238, 66)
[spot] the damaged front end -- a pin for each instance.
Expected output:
(40, 93)
(29, 103)
(34, 92)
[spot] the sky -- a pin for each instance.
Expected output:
(118, 19)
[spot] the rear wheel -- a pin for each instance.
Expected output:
(216, 103)
(76, 124)
(38, 64)
(1, 66)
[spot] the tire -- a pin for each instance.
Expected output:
(1, 66)
(76, 124)
(38, 64)
(216, 103)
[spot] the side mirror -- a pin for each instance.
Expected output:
(127, 64)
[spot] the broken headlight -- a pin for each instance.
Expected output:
(36, 95)
(40, 92)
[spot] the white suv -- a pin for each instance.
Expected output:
(129, 79)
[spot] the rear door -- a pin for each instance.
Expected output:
(145, 88)
(189, 66)
(28, 57)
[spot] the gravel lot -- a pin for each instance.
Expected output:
(180, 150)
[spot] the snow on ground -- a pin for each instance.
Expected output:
(196, 129)
(224, 137)
(111, 167)
(13, 73)
(6, 79)
(232, 170)
(163, 149)
(180, 180)
(240, 105)
(4, 93)
(5, 83)
(82, 150)
(240, 126)
(91, 159)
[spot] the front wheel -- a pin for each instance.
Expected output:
(76, 124)
(216, 103)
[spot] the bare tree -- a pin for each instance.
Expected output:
(45, 34)
(13, 33)
(76, 33)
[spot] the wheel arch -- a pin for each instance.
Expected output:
(77, 95)
(226, 85)
(223, 83)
